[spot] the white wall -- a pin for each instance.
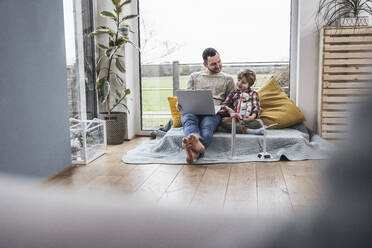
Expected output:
(133, 77)
(35, 136)
(307, 59)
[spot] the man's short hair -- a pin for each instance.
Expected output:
(249, 75)
(209, 52)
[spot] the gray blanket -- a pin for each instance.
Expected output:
(285, 143)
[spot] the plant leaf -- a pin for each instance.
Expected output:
(125, 3)
(129, 17)
(120, 66)
(98, 83)
(102, 31)
(121, 40)
(118, 9)
(118, 93)
(123, 30)
(130, 42)
(109, 52)
(109, 15)
(98, 66)
(116, 2)
(329, 11)
(127, 26)
(127, 91)
(102, 46)
(125, 106)
(111, 43)
(102, 27)
(113, 73)
(103, 89)
(119, 80)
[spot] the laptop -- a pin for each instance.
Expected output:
(198, 102)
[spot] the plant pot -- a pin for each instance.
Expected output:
(353, 21)
(115, 126)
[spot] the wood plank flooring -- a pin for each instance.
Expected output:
(257, 187)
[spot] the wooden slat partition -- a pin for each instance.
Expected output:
(343, 55)
(346, 85)
(360, 47)
(345, 76)
(348, 69)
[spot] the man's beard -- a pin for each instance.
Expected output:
(215, 70)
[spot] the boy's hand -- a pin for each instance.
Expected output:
(249, 118)
(225, 109)
(222, 109)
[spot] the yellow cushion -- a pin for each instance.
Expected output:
(276, 107)
(176, 116)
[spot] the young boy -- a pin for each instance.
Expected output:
(245, 102)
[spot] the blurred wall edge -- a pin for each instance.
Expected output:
(34, 140)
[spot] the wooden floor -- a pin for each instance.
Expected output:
(256, 187)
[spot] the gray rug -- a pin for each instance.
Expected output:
(285, 143)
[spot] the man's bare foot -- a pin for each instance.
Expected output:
(193, 148)
(185, 142)
(197, 146)
(191, 155)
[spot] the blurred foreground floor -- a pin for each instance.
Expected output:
(256, 187)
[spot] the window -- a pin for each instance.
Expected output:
(173, 34)
(80, 58)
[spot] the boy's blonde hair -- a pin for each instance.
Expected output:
(249, 75)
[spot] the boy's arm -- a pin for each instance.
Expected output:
(256, 108)
(249, 118)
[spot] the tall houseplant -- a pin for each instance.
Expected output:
(332, 11)
(110, 80)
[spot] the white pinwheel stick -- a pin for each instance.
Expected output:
(265, 154)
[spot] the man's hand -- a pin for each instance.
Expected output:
(178, 107)
(249, 118)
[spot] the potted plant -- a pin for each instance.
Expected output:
(343, 12)
(110, 69)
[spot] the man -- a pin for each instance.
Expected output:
(198, 129)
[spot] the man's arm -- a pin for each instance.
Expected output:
(227, 104)
(229, 100)
(190, 85)
(230, 86)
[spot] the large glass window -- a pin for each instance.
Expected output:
(80, 58)
(173, 34)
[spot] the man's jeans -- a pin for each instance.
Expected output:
(201, 125)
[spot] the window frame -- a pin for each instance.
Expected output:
(293, 62)
(87, 99)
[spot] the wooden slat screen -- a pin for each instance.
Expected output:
(345, 76)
